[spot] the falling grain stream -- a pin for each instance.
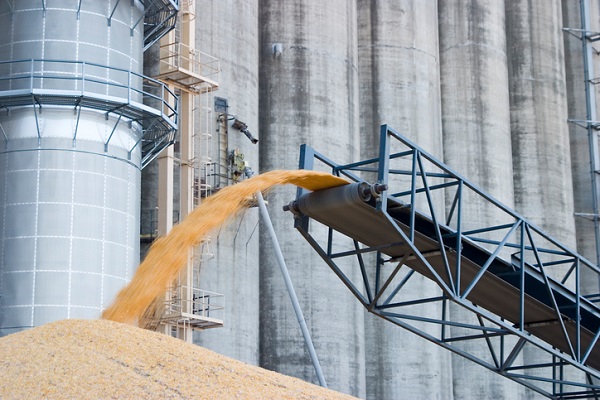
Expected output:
(169, 254)
(105, 359)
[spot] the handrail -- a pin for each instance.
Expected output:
(202, 304)
(180, 55)
(90, 72)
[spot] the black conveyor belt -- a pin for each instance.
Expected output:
(347, 211)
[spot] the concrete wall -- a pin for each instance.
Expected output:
(579, 141)
(308, 94)
(400, 86)
(477, 144)
(228, 30)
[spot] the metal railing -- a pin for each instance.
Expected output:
(178, 55)
(159, 18)
(86, 78)
(78, 84)
(203, 304)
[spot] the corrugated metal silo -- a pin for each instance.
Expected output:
(70, 160)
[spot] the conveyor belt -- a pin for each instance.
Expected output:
(349, 210)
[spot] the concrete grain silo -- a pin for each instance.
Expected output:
(229, 30)
(308, 94)
(538, 104)
(581, 167)
(539, 113)
(75, 135)
(477, 142)
(400, 86)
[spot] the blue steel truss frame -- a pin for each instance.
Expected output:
(511, 348)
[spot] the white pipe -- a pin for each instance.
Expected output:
(290, 287)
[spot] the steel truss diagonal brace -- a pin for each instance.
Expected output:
(520, 286)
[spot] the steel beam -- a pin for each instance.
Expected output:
(465, 273)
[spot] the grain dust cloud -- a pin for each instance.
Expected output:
(169, 254)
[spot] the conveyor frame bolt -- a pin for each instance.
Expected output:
(292, 207)
(378, 188)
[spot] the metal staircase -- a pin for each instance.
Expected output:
(160, 17)
(185, 307)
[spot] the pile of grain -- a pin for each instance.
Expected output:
(103, 359)
(169, 254)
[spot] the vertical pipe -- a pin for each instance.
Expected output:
(459, 230)
(578, 309)
(165, 191)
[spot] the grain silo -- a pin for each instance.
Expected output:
(400, 85)
(476, 126)
(76, 134)
(539, 116)
(539, 113)
(308, 94)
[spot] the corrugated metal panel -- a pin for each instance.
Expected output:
(69, 205)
